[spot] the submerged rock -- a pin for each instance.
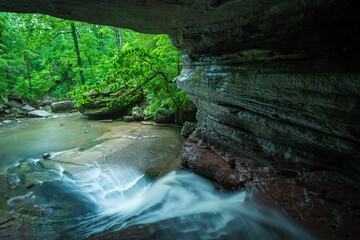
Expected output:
(39, 113)
(62, 106)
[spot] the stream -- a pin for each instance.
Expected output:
(106, 177)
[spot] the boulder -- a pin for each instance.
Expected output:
(47, 100)
(128, 119)
(39, 113)
(11, 116)
(22, 100)
(62, 106)
(14, 110)
(103, 104)
(14, 104)
(28, 108)
(137, 114)
(2, 108)
(164, 116)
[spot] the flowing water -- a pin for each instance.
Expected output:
(100, 198)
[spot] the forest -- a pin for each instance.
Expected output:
(90, 64)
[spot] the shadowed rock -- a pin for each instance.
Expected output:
(276, 81)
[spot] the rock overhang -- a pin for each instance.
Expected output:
(277, 81)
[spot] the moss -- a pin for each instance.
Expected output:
(196, 77)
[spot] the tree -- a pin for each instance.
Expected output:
(42, 55)
(77, 51)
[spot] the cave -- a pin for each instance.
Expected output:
(277, 88)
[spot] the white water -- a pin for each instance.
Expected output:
(181, 204)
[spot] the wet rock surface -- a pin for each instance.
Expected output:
(17, 107)
(323, 200)
(274, 81)
(35, 204)
(39, 113)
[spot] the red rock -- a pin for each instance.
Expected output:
(322, 200)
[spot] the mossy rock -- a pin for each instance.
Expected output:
(164, 116)
(109, 103)
(188, 128)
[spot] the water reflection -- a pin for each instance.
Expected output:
(33, 137)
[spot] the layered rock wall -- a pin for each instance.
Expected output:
(278, 110)
(275, 81)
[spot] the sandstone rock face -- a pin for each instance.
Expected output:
(275, 81)
(323, 200)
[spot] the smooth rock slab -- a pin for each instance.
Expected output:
(62, 106)
(39, 113)
(28, 108)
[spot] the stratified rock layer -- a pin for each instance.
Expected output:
(323, 200)
(303, 113)
(275, 81)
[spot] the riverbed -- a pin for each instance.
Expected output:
(104, 177)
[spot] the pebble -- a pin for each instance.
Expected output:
(28, 194)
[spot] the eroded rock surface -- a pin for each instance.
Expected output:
(323, 200)
(275, 81)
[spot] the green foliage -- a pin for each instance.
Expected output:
(147, 70)
(188, 128)
(147, 64)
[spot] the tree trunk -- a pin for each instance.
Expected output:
(77, 51)
(178, 64)
(28, 70)
(1, 41)
(102, 43)
(2, 53)
(119, 38)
